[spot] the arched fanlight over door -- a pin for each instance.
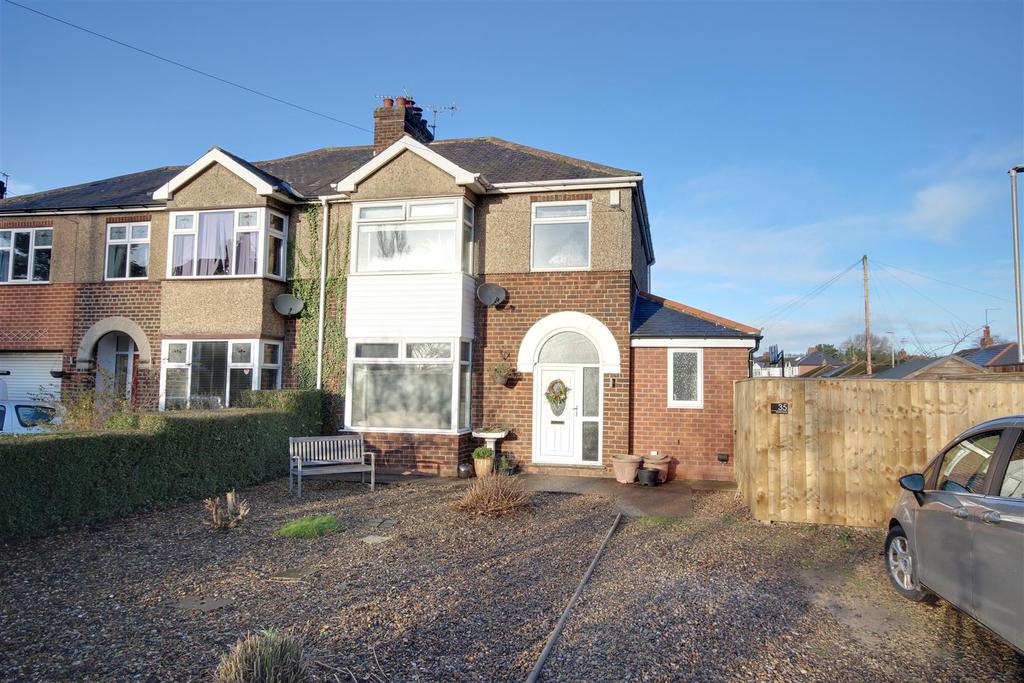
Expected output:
(568, 347)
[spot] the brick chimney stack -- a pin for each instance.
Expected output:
(986, 337)
(397, 117)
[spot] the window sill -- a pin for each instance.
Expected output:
(126, 279)
(173, 278)
(574, 269)
(398, 430)
(410, 272)
(25, 282)
(686, 406)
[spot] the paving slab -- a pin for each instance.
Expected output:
(672, 499)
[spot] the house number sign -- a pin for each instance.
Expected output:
(780, 409)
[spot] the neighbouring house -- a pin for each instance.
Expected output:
(816, 361)
(761, 366)
(166, 287)
(943, 367)
(998, 357)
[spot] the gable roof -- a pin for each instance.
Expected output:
(264, 183)
(311, 173)
(653, 316)
(916, 366)
(992, 356)
(818, 358)
(407, 144)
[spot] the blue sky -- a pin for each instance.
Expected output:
(779, 141)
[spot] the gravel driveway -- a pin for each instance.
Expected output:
(720, 596)
(449, 597)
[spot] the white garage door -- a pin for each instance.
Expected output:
(30, 374)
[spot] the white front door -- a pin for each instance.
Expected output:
(568, 434)
(556, 439)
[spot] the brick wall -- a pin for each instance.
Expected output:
(436, 454)
(693, 438)
(139, 301)
(54, 317)
(532, 296)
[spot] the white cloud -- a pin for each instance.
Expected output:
(940, 210)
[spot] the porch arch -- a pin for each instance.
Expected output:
(569, 321)
(87, 347)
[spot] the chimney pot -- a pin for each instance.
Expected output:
(401, 102)
(389, 102)
(397, 117)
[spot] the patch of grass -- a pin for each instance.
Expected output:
(650, 521)
(310, 526)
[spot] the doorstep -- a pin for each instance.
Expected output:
(570, 470)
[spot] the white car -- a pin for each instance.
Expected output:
(25, 416)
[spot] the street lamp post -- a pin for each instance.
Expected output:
(1016, 262)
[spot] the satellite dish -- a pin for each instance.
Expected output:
(287, 304)
(491, 294)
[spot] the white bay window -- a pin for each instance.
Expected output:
(413, 236)
(197, 374)
(225, 243)
(409, 385)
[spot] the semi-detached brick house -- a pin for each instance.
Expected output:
(160, 286)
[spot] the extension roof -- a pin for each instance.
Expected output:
(311, 174)
(916, 366)
(654, 316)
(818, 358)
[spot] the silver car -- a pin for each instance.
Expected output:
(957, 530)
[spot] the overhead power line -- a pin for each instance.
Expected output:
(951, 284)
(193, 69)
(806, 298)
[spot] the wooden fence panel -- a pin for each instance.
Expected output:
(836, 456)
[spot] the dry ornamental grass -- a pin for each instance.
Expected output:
(495, 496)
(264, 657)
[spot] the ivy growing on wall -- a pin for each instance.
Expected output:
(307, 288)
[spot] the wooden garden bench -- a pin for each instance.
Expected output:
(315, 455)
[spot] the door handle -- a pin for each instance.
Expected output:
(991, 517)
(961, 513)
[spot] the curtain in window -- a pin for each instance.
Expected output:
(182, 260)
(246, 249)
(216, 232)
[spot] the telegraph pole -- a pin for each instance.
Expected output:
(867, 314)
(1016, 262)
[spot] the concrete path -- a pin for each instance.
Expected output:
(633, 500)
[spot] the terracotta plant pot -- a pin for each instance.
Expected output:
(625, 467)
(484, 467)
(660, 463)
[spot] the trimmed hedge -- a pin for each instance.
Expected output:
(53, 480)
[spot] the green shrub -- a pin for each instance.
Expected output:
(309, 526)
(482, 452)
(264, 657)
(65, 478)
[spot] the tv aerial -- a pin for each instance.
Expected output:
(436, 109)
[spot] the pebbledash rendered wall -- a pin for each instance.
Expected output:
(692, 437)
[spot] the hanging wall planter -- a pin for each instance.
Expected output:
(556, 396)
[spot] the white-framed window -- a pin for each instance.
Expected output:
(560, 235)
(685, 378)
(420, 235)
(25, 255)
(227, 243)
(213, 373)
(127, 251)
(409, 385)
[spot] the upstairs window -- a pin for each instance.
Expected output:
(413, 236)
(561, 236)
(25, 255)
(232, 242)
(127, 251)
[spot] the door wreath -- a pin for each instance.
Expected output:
(556, 394)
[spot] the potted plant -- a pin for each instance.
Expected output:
(502, 373)
(506, 467)
(483, 461)
(625, 467)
